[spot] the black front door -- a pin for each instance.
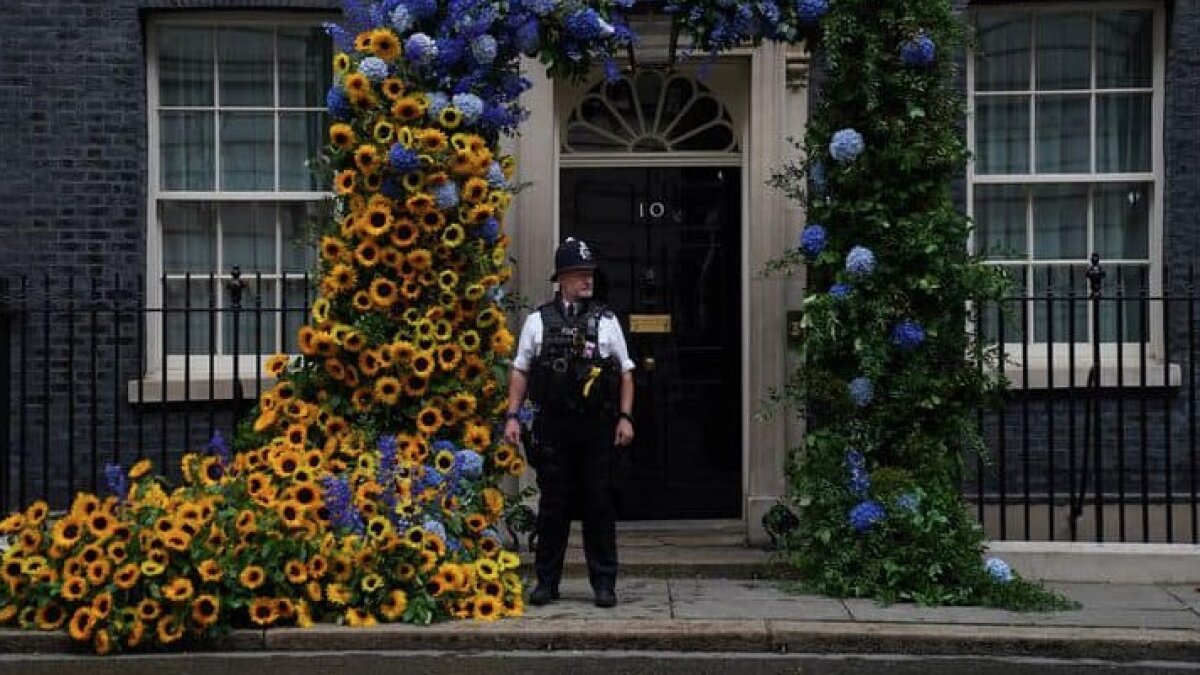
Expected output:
(668, 244)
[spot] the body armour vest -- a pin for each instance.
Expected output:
(568, 374)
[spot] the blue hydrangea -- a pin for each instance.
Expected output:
(860, 261)
(438, 101)
(402, 19)
(540, 7)
(818, 178)
(116, 479)
(483, 48)
(908, 502)
(469, 462)
(811, 11)
(422, 9)
(919, 51)
(813, 240)
(450, 51)
(846, 145)
(529, 38)
(490, 230)
(392, 188)
(855, 459)
(586, 25)
(470, 105)
(860, 482)
(864, 515)
(218, 446)
(387, 459)
(446, 195)
(421, 49)
(337, 498)
(908, 335)
(998, 570)
(435, 527)
(374, 68)
(338, 104)
(495, 175)
(840, 291)
(402, 159)
(862, 391)
(443, 444)
(343, 40)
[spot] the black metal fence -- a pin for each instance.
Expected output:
(1097, 439)
(114, 370)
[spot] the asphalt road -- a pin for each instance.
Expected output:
(556, 663)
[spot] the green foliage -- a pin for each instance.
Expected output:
(894, 199)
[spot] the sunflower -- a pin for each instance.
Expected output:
(408, 108)
(367, 253)
(82, 623)
(344, 181)
(432, 221)
(376, 223)
(502, 342)
(126, 576)
(366, 158)
(210, 571)
(252, 576)
(12, 524)
(149, 609)
(476, 522)
(101, 605)
(384, 292)
(487, 608)
(295, 571)
(475, 190)
(169, 629)
(206, 609)
(385, 44)
(450, 117)
(357, 85)
(97, 572)
(341, 136)
(372, 582)
(359, 618)
(436, 586)
(337, 593)
(516, 467)
(263, 611)
(487, 569)
(50, 616)
(393, 88)
(432, 140)
(36, 513)
(178, 589)
(393, 607)
(291, 513)
(429, 420)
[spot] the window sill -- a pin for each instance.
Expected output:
(1158, 374)
(174, 389)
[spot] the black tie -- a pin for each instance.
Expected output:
(572, 309)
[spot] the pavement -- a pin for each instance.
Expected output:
(691, 605)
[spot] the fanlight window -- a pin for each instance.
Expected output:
(650, 112)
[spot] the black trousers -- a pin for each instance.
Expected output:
(574, 457)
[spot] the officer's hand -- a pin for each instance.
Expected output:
(624, 432)
(512, 432)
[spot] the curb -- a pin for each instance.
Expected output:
(677, 635)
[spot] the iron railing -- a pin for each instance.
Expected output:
(1097, 437)
(1096, 440)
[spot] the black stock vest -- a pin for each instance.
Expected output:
(568, 375)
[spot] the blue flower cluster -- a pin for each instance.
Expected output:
(908, 335)
(862, 391)
(219, 447)
(860, 480)
(117, 480)
(865, 514)
(919, 51)
(846, 146)
(860, 261)
(840, 291)
(338, 499)
(387, 460)
(998, 570)
(716, 25)
(472, 48)
(813, 240)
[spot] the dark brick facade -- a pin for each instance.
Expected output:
(73, 130)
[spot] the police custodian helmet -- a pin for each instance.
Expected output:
(572, 254)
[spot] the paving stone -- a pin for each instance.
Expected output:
(1188, 595)
(1118, 596)
(694, 589)
(1134, 618)
(871, 611)
(636, 599)
(797, 609)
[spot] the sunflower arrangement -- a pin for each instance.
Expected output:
(365, 483)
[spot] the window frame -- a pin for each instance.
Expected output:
(249, 366)
(1039, 352)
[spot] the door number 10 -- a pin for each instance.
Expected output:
(653, 209)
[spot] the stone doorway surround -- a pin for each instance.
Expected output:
(776, 108)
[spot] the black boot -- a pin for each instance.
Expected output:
(605, 597)
(543, 594)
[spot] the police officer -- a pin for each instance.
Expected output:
(573, 364)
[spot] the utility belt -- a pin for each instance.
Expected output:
(576, 386)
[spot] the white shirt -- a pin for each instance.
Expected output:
(612, 342)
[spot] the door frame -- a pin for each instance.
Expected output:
(775, 106)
